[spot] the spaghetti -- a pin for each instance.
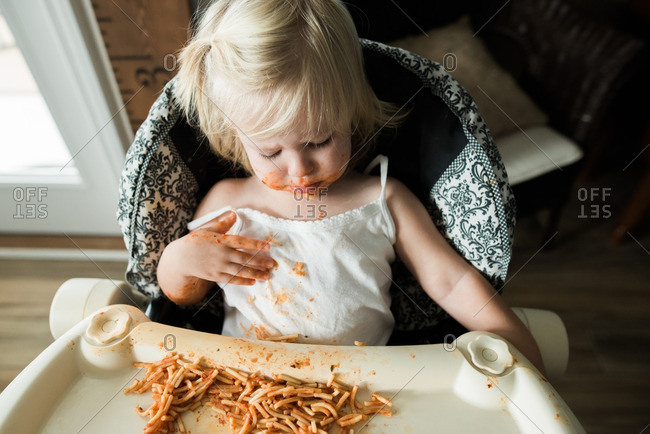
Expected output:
(249, 403)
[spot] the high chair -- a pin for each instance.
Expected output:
(443, 152)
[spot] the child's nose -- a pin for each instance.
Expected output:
(301, 165)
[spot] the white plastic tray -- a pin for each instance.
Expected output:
(76, 385)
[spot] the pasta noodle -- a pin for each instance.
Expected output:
(249, 403)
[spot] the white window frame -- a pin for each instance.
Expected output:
(61, 44)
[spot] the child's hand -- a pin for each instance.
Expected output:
(190, 264)
(214, 256)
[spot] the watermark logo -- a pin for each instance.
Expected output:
(449, 343)
(170, 62)
(30, 203)
(450, 62)
(307, 206)
(593, 203)
(169, 342)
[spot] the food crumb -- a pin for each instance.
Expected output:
(299, 269)
(270, 239)
(297, 364)
(359, 344)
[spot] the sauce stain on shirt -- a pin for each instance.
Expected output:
(299, 269)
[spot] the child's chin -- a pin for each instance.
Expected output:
(287, 188)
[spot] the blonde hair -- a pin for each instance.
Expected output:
(278, 64)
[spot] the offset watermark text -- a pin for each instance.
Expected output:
(30, 203)
(593, 203)
(307, 206)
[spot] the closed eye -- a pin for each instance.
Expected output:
(323, 143)
(317, 145)
(271, 156)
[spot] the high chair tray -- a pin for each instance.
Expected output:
(477, 383)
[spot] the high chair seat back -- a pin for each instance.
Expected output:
(443, 152)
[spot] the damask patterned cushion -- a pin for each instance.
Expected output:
(158, 196)
(471, 201)
(444, 152)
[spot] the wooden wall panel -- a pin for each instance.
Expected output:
(142, 38)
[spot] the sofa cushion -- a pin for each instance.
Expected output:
(534, 151)
(501, 102)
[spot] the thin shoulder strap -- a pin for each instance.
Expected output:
(382, 160)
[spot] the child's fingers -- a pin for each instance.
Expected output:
(245, 271)
(235, 280)
(222, 223)
(256, 260)
(232, 241)
(241, 242)
(221, 272)
(238, 275)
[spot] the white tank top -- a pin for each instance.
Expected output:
(332, 278)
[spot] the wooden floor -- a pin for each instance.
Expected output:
(601, 291)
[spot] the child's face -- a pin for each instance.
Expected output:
(294, 163)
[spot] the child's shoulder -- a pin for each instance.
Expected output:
(358, 187)
(403, 203)
(396, 187)
(363, 188)
(373, 184)
(225, 192)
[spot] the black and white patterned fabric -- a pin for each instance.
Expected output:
(157, 198)
(468, 196)
(157, 194)
(471, 202)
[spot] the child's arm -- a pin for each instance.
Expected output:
(190, 265)
(450, 280)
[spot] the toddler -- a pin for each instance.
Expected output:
(304, 244)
